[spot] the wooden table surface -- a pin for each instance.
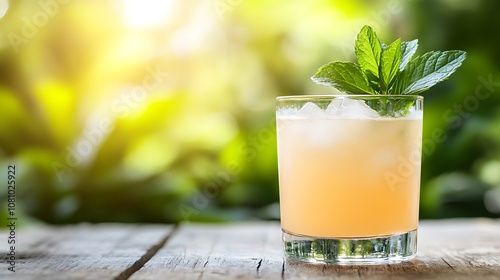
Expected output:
(448, 249)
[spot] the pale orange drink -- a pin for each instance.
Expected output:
(349, 174)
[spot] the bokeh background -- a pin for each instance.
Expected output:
(163, 111)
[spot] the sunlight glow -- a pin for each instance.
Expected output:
(145, 13)
(4, 6)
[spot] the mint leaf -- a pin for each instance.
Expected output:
(427, 70)
(389, 64)
(408, 49)
(389, 69)
(345, 76)
(368, 50)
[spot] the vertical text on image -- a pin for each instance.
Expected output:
(11, 218)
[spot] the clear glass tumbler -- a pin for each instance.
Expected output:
(349, 177)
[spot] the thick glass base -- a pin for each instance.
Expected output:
(345, 251)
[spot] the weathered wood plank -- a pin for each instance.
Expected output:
(196, 251)
(469, 248)
(450, 249)
(85, 251)
(442, 246)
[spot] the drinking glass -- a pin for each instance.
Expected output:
(349, 177)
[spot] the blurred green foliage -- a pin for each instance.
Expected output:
(162, 111)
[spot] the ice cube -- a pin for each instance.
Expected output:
(344, 107)
(335, 106)
(286, 112)
(414, 114)
(310, 110)
(355, 109)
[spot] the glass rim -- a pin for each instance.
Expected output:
(332, 96)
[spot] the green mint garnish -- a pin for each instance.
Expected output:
(369, 51)
(389, 69)
(408, 49)
(427, 70)
(389, 65)
(345, 76)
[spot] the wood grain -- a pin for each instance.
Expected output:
(83, 252)
(194, 251)
(448, 249)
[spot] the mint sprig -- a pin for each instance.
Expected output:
(389, 69)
